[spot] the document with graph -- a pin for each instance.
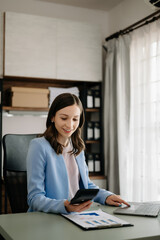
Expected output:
(95, 220)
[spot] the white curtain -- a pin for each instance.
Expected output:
(143, 163)
(117, 102)
(132, 114)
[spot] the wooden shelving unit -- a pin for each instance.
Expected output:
(91, 141)
(8, 108)
(9, 82)
(93, 146)
(92, 110)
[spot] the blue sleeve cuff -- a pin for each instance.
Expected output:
(102, 195)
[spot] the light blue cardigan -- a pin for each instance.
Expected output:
(47, 178)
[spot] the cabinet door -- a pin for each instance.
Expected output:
(79, 51)
(1, 45)
(30, 46)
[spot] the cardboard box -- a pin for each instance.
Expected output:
(29, 97)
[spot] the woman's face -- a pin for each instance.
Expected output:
(66, 121)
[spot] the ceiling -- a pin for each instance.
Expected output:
(104, 5)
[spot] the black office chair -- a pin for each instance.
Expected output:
(15, 148)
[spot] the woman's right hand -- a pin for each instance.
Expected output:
(77, 207)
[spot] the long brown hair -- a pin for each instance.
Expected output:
(61, 101)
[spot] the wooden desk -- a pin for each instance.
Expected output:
(43, 226)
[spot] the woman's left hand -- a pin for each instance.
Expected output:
(116, 200)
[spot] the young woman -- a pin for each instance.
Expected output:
(56, 166)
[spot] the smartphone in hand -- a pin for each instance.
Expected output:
(83, 195)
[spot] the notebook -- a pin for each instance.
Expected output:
(97, 219)
(150, 209)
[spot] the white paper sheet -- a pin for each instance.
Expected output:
(96, 219)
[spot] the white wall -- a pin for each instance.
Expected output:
(27, 123)
(125, 14)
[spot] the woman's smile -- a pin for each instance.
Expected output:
(67, 130)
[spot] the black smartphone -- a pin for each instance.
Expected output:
(83, 195)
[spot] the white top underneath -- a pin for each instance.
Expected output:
(72, 169)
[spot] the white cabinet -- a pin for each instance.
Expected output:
(42, 47)
(30, 46)
(1, 45)
(79, 53)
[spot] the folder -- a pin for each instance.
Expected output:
(98, 219)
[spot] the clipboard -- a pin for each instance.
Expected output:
(98, 219)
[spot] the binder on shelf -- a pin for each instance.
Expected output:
(90, 130)
(97, 162)
(90, 99)
(97, 99)
(96, 130)
(90, 161)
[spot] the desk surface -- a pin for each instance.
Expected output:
(40, 225)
